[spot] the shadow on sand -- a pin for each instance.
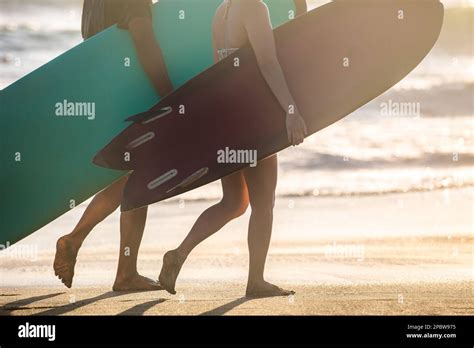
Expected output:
(138, 309)
(22, 304)
(141, 308)
(226, 307)
(6, 309)
(110, 294)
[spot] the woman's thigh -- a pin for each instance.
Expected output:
(261, 181)
(234, 189)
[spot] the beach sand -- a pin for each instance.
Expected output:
(362, 255)
(223, 298)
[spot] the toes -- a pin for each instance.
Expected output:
(268, 290)
(137, 283)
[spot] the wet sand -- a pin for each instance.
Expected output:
(390, 254)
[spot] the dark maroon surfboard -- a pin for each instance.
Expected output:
(336, 58)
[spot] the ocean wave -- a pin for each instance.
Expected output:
(34, 29)
(334, 192)
(318, 161)
(443, 98)
(456, 35)
(337, 192)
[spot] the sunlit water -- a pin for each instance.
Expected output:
(369, 152)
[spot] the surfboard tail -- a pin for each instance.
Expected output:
(123, 152)
(147, 186)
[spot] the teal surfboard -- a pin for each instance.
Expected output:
(54, 120)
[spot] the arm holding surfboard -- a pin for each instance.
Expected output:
(301, 7)
(259, 30)
(150, 54)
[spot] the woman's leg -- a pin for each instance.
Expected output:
(261, 183)
(67, 247)
(234, 203)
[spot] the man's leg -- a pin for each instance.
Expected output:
(132, 225)
(67, 247)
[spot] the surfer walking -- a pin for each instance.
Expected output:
(134, 15)
(236, 23)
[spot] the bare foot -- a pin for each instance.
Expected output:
(172, 263)
(65, 260)
(136, 283)
(265, 289)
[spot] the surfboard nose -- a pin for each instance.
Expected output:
(100, 161)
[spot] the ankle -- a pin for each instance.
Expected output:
(77, 241)
(253, 282)
(182, 254)
(125, 277)
(72, 241)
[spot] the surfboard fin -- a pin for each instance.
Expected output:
(150, 115)
(190, 179)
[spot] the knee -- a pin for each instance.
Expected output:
(234, 207)
(263, 206)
